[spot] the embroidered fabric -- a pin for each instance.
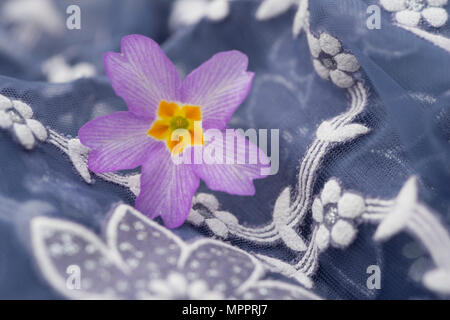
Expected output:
(363, 157)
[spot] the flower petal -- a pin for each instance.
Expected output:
(408, 17)
(24, 135)
(341, 79)
(393, 5)
(331, 192)
(317, 210)
(167, 189)
(437, 17)
(346, 62)
(321, 70)
(314, 45)
(37, 128)
(343, 233)
(329, 44)
(119, 141)
(5, 120)
(437, 3)
(227, 173)
(219, 86)
(351, 205)
(142, 75)
(322, 238)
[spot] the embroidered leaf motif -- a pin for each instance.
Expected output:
(404, 207)
(287, 270)
(77, 154)
(280, 216)
(327, 132)
(291, 239)
(282, 207)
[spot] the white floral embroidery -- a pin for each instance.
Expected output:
(16, 116)
(336, 213)
(189, 12)
(411, 12)
(141, 259)
(329, 62)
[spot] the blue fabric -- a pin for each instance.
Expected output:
(287, 94)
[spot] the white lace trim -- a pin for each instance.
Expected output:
(59, 244)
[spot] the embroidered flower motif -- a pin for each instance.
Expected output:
(410, 12)
(16, 116)
(330, 62)
(160, 105)
(205, 211)
(337, 214)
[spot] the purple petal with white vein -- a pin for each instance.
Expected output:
(234, 171)
(119, 141)
(142, 75)
(219, 86)
(167, 189)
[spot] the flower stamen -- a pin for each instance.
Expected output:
(179, 126)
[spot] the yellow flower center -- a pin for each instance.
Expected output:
(179, 126)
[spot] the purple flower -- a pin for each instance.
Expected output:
(159, 104)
